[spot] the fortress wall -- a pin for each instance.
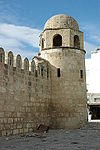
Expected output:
(24, 94)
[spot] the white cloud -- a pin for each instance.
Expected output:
(92, 37)
(20, 33)
(17, 37)
(92, 31)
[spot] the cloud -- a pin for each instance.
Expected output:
(92, 31)
(92, 37)
(19, 38)
(20, 33)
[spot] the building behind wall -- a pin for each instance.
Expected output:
(93, 85)
(49, 90)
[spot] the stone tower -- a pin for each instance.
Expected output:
(61, 43)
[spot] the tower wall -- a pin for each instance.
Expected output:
(67, 38)
(69, 90)
(62, 45)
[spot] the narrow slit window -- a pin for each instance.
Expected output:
(47, 72)
(81, 74)
(42, 71)
(0, 58)
(58, 72)
(42, 43)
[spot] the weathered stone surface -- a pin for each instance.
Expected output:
(31, 93)
(68, 103)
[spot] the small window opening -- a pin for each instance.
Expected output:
(58, 72)
(47, 72)
(42, 43)
(0, 58)
(57, 40)
(76, 41)
(42, 71)
(81, 74)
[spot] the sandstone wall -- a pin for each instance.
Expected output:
(25, 93)
(69, 90)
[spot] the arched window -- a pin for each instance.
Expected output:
(57, 40)
(76, 41)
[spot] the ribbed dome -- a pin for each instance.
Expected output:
(61, 21)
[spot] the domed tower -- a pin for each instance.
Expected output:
(61, 43)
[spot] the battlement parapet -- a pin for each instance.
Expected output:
(37, 66)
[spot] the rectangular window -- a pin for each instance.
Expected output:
(1, 58)
(47, 72)
(42, 72)
(81, 74)
(58, 72)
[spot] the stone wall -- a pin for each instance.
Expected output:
(31, 93)
(68, 101)
(25, 93)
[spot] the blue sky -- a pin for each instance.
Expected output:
(22, 21)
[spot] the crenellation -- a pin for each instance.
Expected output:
(10, 58)
(26, 64)
(33, 66)
(18, 62)
(23, 65)
(2, 55)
